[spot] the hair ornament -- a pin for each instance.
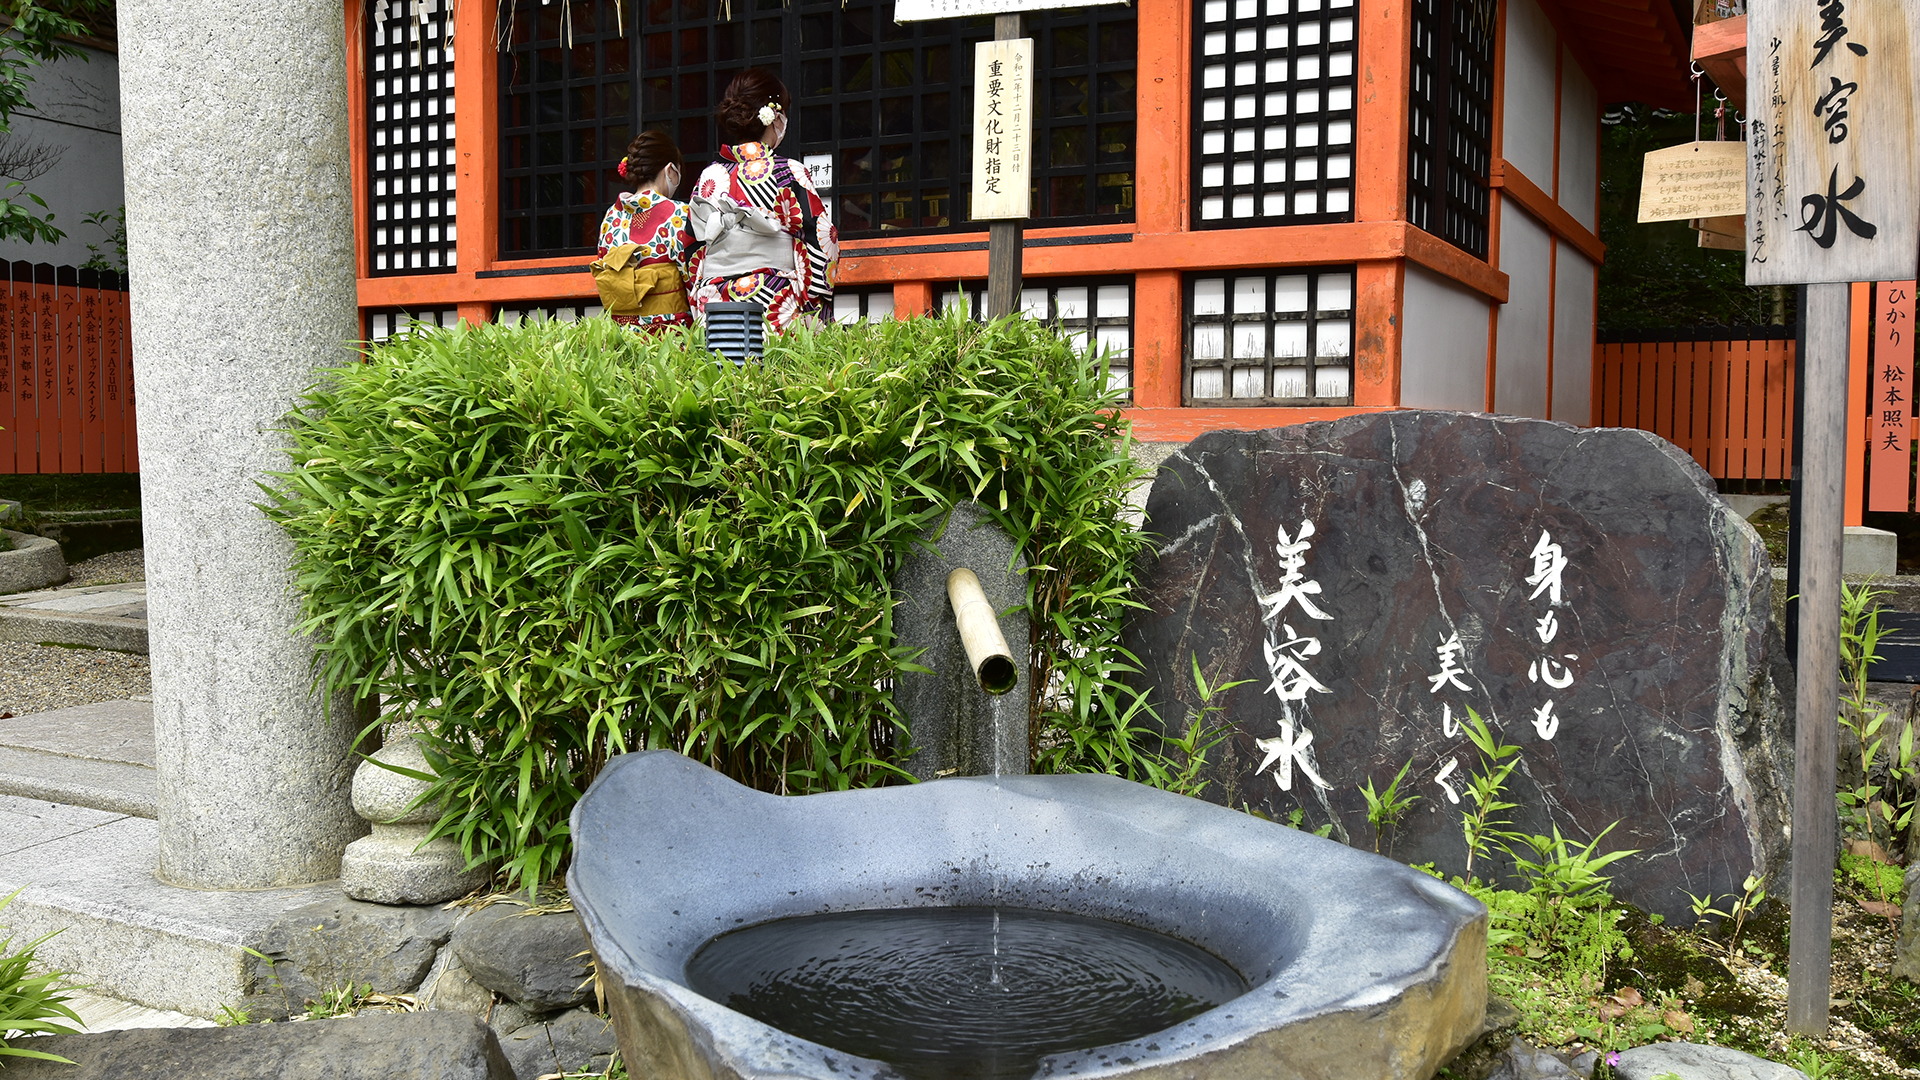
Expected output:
(768, 113)
(621, 168)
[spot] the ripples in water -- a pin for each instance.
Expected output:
(961, 992)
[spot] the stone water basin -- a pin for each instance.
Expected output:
(1357, 967)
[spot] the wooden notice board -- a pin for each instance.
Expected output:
(1831, 151)
(1694, 180)
(1002, 129)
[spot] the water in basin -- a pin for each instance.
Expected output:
(960, 992)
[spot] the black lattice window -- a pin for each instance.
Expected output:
(566, 117)
(1273, 112)
(384, 324)
(409, 73)
(881, 109)
(1282, 337)
(1092, 312)
(889, 106)
(1450, 122)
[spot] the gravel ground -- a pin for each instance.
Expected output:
(38, 678)
(110, 569)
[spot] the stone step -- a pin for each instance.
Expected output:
(95, 756)
(89, 874)
(95, 616)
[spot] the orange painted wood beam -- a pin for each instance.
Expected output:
(476, 138)
(1159, 339)
(1513, 183)
(1381, 116)
(1162, 168)
(911, 298)
(1720, 48)
(1185, 425)
(357, 123)
(1379, 300)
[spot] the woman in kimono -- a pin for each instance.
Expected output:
(648, 253)
(768, 237)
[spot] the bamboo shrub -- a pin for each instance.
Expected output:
(544, 544)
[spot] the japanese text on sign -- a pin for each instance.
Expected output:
(1891, 384)
(1287, 653)
(1002, 122)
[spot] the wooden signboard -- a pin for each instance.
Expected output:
(1694, 180)
(1831, 149)
(1002, 129)
(1891, 385)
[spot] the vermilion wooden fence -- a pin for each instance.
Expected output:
(1728, 403)
(66, 390)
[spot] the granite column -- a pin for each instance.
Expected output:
(240, 231)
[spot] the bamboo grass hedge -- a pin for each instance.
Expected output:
(548, 543)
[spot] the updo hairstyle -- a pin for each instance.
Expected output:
(739, 109)
(647, 155)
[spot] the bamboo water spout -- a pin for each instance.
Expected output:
(987, 652)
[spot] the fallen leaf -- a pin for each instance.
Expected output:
(1880, 907)
(1611, 1011)
(1629, 997)
(1678, 1021)
(1869, 849)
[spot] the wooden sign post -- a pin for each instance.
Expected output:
(1831, 157)
(1003, 155)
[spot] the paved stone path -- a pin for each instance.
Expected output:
(100, 616)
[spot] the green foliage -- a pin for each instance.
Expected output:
(114, 255)
(1565, 878)
(549, 543)
(1870, 877)
(1484, 827)
(34, 37)
(1386, 808)
(30, 1004)
(1870, 809)
(1656, 274)
(1176, 767)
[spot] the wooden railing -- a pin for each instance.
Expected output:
(1728, 403)
(66, 389)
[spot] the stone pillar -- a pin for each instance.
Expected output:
(240, 233)
(958, 729)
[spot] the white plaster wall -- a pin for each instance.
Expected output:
(1579, 144)
(76, 111)
(1522, 350)
(1443, 352)
(1527, 116)
(1573, 338)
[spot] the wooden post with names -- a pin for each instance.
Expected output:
(1831, 157)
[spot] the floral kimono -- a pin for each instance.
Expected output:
(662, 235)
(769, 239)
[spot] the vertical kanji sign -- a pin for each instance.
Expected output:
(1002, 129)
(1831, 150)
(1891, 391)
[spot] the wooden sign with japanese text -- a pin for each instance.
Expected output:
(1002, 129)
(1831, 150)
(1891, 386)
(1694, 180)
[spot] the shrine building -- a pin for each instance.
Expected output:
(1275, 210)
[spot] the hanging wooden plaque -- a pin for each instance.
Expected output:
(1694, 180)
(1002, 129)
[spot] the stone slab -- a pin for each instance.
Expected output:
(100, 785)
(1697, 1062)
(110, 600)
(62, 628)
(28, 823)
(118, 731)
(1585, 591)
(404, 1046)
(1869, 552)
(99, 1014)
(1748, 505)
(128, 936)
